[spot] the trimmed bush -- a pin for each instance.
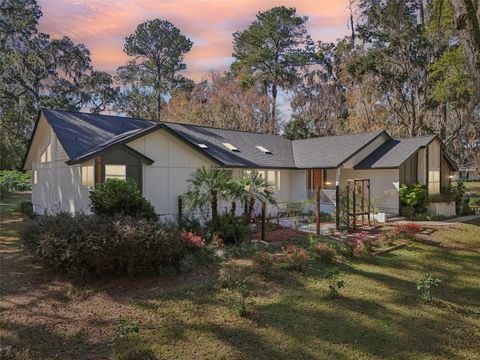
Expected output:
(26, 208)
(119, 197)
(414, 199)
(98, 245)
(324, 253)
(295, 258)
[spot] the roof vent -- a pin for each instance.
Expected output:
(230, 147)
(202, 146)
(261, 148)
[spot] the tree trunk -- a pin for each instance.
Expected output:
(422, 13)
(467, 21)
(159, 105)
(214, 207)
(352, 24)
(251, 204)
(233, 208)
(273, 120)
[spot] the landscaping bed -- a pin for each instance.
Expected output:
(256, 302)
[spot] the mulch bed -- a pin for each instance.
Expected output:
(281, 234)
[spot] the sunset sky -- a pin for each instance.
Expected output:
(102, 25)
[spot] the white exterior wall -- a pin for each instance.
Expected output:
(174, 163)
(58, 185)
(297, 184)
(384, 185)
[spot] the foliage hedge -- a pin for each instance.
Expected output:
(414, 199)
(120, 197)
(98, 245)
(13, 180)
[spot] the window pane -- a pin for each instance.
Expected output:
(46, 155)
(115, 172)
(49, 153)
(87, 175)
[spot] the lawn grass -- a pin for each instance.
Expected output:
(379, 314)
(473, 187)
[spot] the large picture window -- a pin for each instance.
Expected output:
(46, 156)
(115, 172)
(87, 175)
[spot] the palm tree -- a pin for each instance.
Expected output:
(255, 188)
(208, 185)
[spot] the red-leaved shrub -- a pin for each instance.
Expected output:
(409, 229)
(193, 241)
(355, 242)
(295, 258)
(324, 252)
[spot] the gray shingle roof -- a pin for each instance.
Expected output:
(248, 155)
(394, 153)
(82, 135)
(329, 151)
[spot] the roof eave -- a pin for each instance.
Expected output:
(24, 161)
(82, 159)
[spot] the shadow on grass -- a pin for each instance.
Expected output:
(39, 342)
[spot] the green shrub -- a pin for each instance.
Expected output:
(26, 208)
(190, 223)
(119, 197)
(13, 180)
(334, 286)
(474, 201)
(426, 285)
(230, 229)
(126, 327)
(413, 196)
(456, 193)
(98, 245)
(295, 208)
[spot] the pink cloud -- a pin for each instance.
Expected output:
(102, 25)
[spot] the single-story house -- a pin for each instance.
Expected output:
(469, 172)
(70, 152)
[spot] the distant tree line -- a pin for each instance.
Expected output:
(409, 66)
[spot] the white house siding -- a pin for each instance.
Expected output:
(297, 185)
(174, 163)
(58, 185)
(434, 152)
(384, 184)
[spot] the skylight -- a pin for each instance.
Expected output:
(230, 147)
(203, 146)
(265, 150)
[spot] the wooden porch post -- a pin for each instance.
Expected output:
(180, 207)
(317, 208)
(337, 200)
